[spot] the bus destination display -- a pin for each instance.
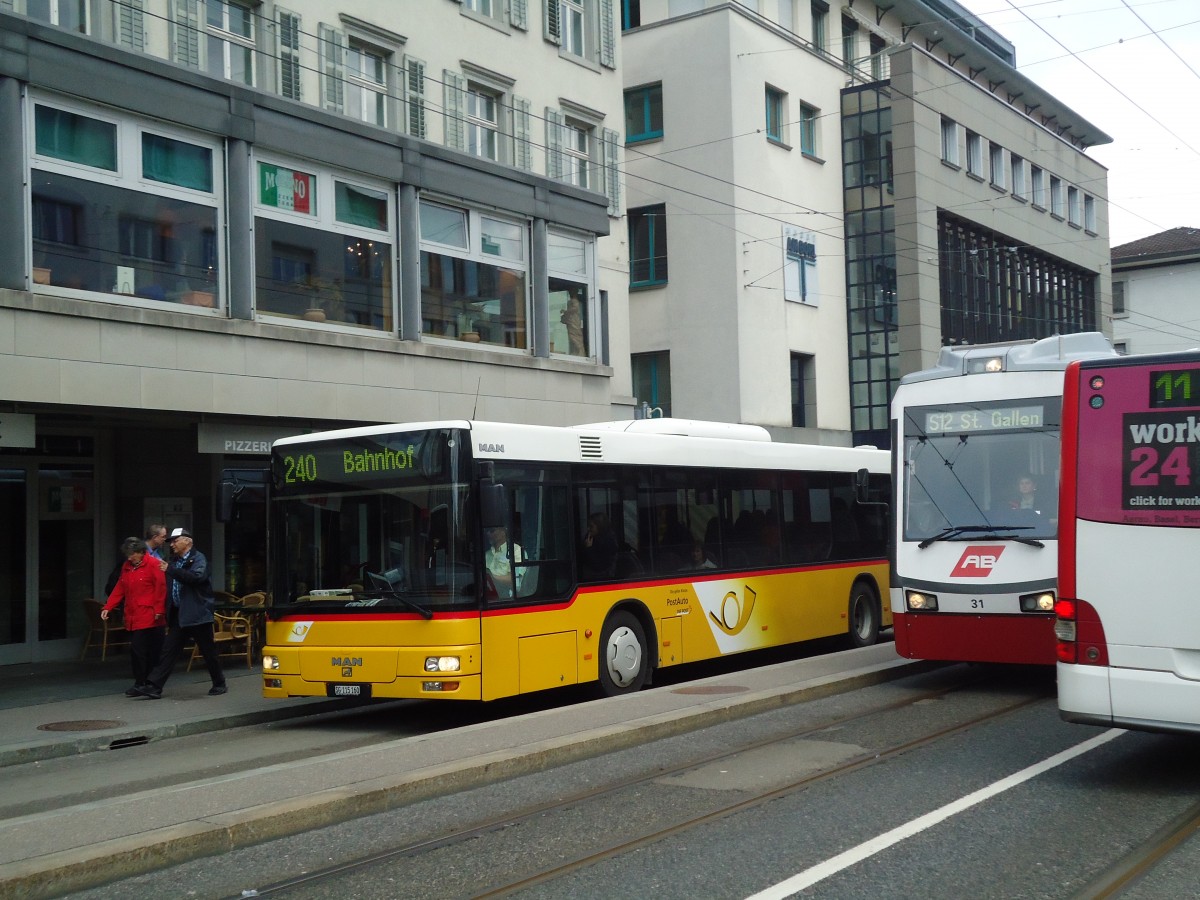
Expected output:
(1161, 467)
(355, 461)
(1171, 388)
(968, 421)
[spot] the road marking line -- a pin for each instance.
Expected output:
(863, 851)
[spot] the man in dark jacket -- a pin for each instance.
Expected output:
(189, 614)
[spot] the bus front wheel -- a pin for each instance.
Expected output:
(864, 616)
(625, 661)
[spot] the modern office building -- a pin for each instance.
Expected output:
(1155, 282)
(819, 197)
(229, 220)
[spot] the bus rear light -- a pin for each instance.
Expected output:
(915, 600)
(1064, 630)
(1042, 602)
(1065, 651)
(1065, 609)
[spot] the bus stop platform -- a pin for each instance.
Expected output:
(56, 710)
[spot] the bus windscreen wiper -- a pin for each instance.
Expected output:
(955, 530)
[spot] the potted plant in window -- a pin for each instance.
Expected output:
(325, 301)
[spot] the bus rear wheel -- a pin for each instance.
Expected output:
(863, 614)
(625, 661)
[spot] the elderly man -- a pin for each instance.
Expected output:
(189, 614)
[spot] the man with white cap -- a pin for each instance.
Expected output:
(189, 614)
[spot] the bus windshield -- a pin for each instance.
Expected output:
(981, 470)
(374, 523)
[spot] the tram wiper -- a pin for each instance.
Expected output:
(955, 530)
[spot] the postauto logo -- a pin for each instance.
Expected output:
(977, 561)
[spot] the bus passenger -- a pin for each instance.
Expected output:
(598, 555)
(500, 565)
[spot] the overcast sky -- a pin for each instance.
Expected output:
(1132, 69)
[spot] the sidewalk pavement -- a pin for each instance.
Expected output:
(55, 709)
(54, 852)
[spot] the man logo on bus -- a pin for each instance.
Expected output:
(977, 561)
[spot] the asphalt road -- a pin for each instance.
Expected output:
(958, 783)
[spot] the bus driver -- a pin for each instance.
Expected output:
(499, 564)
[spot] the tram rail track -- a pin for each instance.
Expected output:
(625, 843)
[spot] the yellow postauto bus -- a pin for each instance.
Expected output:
(477, 560)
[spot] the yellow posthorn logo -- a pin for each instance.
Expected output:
(735, 613)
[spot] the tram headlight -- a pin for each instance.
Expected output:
(921, 601)
(1042, 601)
(442, 664)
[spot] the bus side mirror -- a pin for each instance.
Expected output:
(493, 505)
(862, 485)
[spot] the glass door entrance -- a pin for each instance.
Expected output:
(47, 560)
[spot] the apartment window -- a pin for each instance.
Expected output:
(323, 247)
(808, 129)
(570, 266)
(366, 83)
(652, 380)
(643, 114)
(802, 389)
(474, 276)
(631, 14)
(849, 41)
(71, 15)
(577, 155)
(287, 36)
(124, 209)
(820, 19)
(574, 17)
(488, 8)
(776, 102)
(997, 166)
(974, 154)
(1089, 213)
(1074, 207)
(950, 142)
(229, 40)
(584, 29)
(1017, 169)
(878, 45)
(1037, 178)
(1057, 201)
(648, 246)
(1118, 299)
(483, 122)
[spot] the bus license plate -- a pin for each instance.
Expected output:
(349, 690)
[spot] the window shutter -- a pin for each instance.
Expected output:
(414, 95)
(287, 37)
(187, 33)
(555, 122)
(131, 31)
(610, 146)
(518, 14)
(455, 102)
(608, 35)
(522, 148)
(552, 28)
(333, 68)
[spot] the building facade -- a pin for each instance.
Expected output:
(819, 198)
(230, 220)
(1155, 282)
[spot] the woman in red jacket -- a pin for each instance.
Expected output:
(142, 587)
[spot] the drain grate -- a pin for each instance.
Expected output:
(82, 725)
(711, 689)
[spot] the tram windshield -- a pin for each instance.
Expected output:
(981, 469)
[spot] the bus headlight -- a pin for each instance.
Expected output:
(442, 664)
(1042, 601)
(270, 662)
(918, 600)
